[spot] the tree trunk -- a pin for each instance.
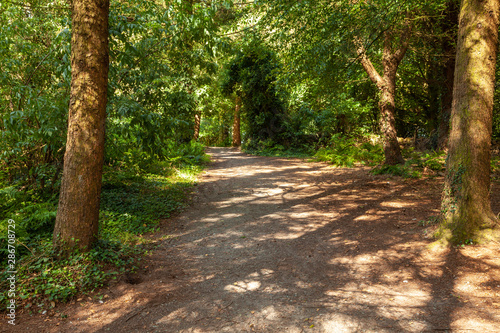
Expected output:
(386, 104)
(466, 206)
(446, 102)
(387, 87)
(449, 26)
(236, 123)
(197, 122)
(78, 212)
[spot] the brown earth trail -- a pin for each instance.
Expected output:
(280, 245)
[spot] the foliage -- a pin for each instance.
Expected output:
(136, 195)
(429, 163)
(270, 148)
(149, 102)
(292, 62)
(34, 86)
(397, 170)
(347, 152)
(133, 201)
(43, 277)
(252, 75)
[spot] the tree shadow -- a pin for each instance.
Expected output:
(276, 245)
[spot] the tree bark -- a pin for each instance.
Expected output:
(236, 123)
(466, 206)
(197, 123)
(78, 212)
(386, 85)
(392, 151)
(450, 27)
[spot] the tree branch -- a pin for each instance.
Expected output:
(366, 63)
(405, 41)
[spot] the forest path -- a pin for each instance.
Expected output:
(281, 245)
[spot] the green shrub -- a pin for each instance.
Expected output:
(347, 152)
(397, 170)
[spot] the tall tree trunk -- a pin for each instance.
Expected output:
(236, 123)
(392, 151)
(386, 85)
(78, 212)
(449, 27)
(466, 206)
(197, 122)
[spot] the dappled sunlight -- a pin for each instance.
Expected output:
(396, 204)
(242, 286)
(364, 218)
(282, 248)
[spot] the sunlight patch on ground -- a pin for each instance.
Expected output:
(339, 324)
(230, 216)
(477, 322)
(267, 192)
(283, 236)
(365, 218)
(303, 285)
(396, 204)
(263, 272)
(300, 229)
(210, 219)
(270, 313)
(242, 286)
(175, 316)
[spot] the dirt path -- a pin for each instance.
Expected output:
(279, 245)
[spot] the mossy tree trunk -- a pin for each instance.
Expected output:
(236, 123)
(466, 206)
(78, 212)
(386, 85)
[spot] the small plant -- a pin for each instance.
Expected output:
(397, 170)
(44, 277)
(432, 220)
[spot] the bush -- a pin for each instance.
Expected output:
(347, 152)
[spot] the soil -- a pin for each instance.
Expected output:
(282, 245)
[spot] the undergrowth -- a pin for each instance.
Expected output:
(347, 152)
(417, 164)
(343, 151)
(270, 148)
(135, 197)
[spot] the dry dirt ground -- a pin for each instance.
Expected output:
(281, 245)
